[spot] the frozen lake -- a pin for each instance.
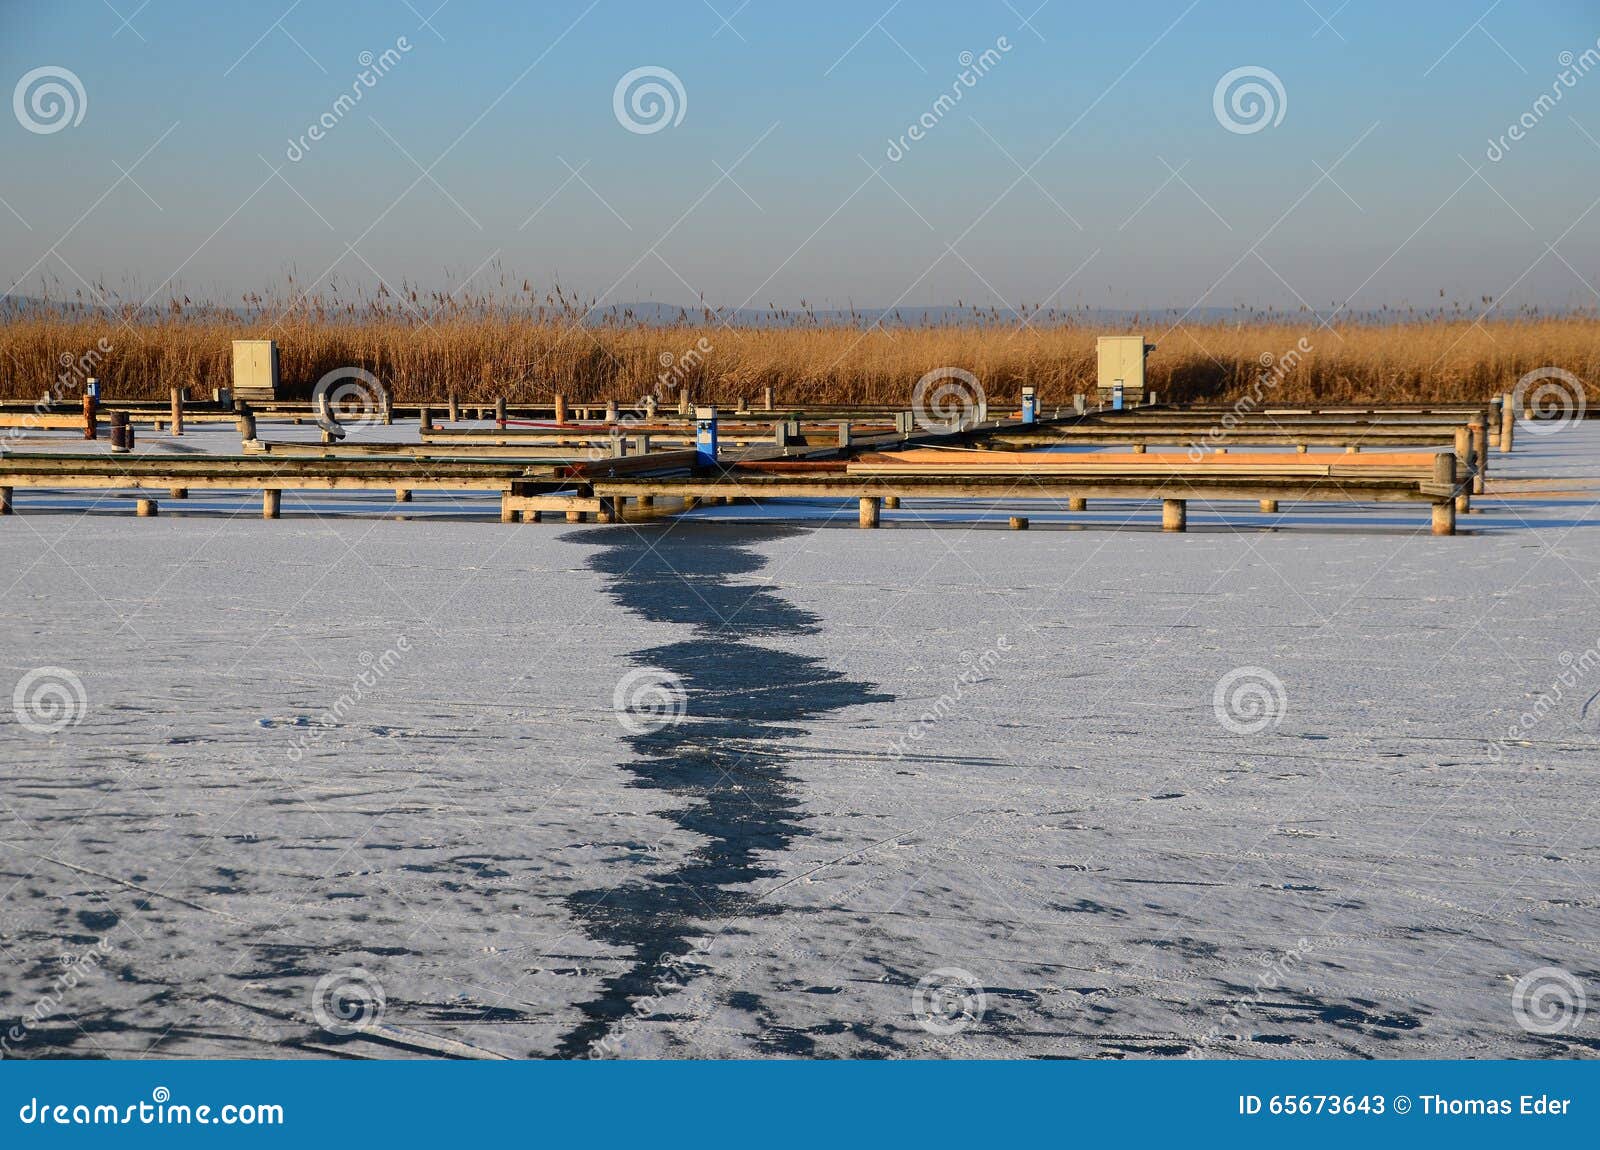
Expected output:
(951, 791)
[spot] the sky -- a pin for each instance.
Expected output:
(1094, 157)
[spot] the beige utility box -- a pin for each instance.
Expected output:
(255, 369)
(1122, 357)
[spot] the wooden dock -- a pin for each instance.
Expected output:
(612, 462)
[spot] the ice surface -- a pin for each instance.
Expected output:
(1073, 827)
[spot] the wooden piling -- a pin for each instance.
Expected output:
(1300, 449)
(386, 401)
(891, 502)
(869, 510)
(500, 411)
(1269, 506)
(561, 408)
(1077, 503)
(766, 398)
(1480, 455)
(177, 411)
(507, 514)
(270, 500)
(1444, 511)
(844, 433)
(1174, 515)
(1508, 423)
(1137, 448)
(611, 411)
(145, 508)
(402, 495)
(178, 492)
(89, 430)
(1019, 523)
(1463, 468)
(574, 517)
(425, 418)
(5, 501)
(455, 408)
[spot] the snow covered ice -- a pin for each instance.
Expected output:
(351, 785)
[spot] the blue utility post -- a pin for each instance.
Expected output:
(1116, 396)
(705, 436)
(1030, 406)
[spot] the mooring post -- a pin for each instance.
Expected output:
(1463, 468)
(499, 411)
(891, 502)
(1019, 523)
(89, 402)
(869, 511)
(270, 499)
(766, 398)
(844, 433)
(1078, 404)
(386, 404)
(121, 432)
(177, 411)
(780, 434)
(1137, 448)
(561, 408)
(5, 501)
(145, 508)
(507, 514)
(1508, 422)
(1269, 506)
(178, 492)
(649, 407)
(611, 411)
(1480, 455)
(705, 436)
(1444, 510)
(454, 407)
(1077, 503)
(425, 419)
(402, 495)
(1174, 515)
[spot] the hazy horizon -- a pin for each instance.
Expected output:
(909, 156)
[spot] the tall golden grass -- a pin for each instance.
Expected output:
(481, 353)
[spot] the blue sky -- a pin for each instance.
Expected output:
(1088, 165)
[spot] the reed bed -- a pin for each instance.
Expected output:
(529, 350)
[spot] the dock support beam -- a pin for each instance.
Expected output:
(869, 510)
(507, 515)
(270, 498)
(1174, 515)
